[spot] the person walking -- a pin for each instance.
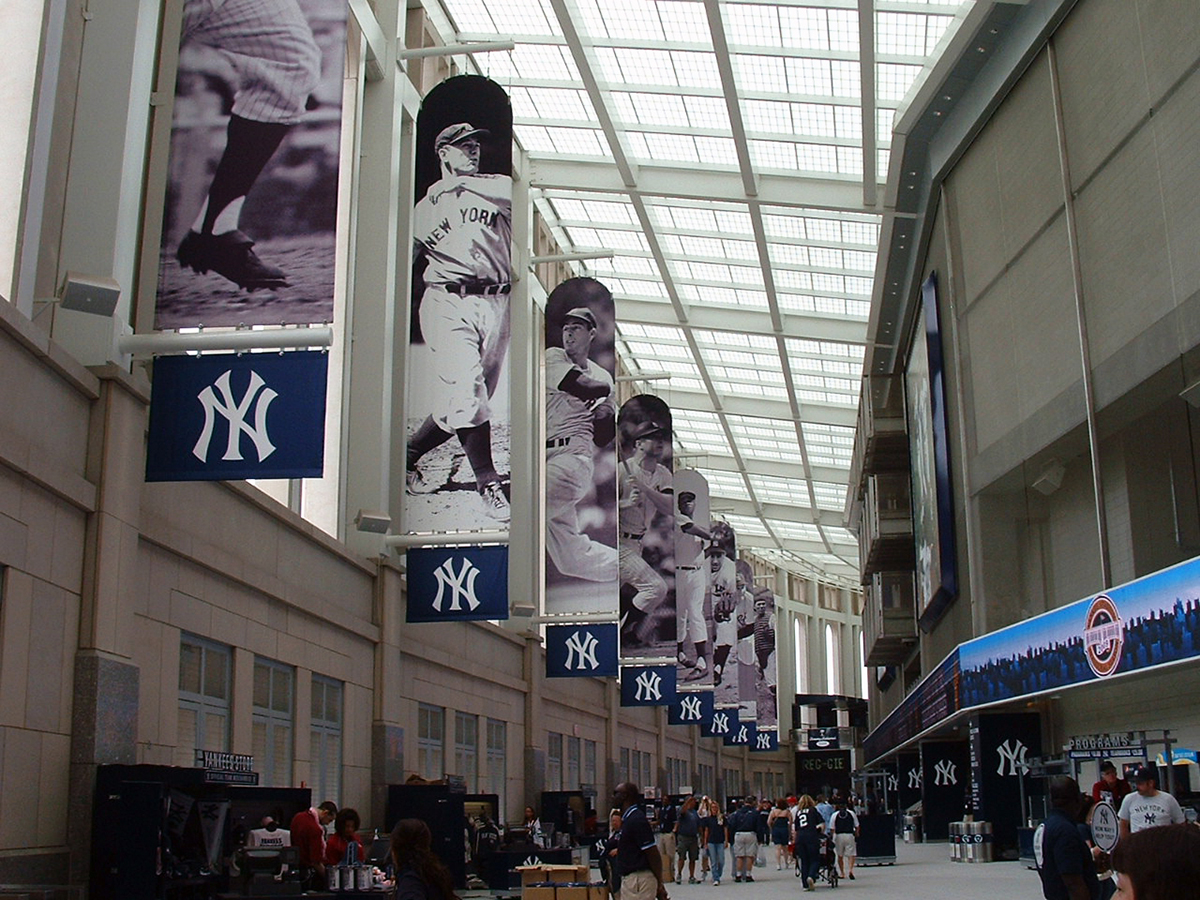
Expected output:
(810, 825)
(779, 825)
(745, 840)
(845, 835)
(1064, 860)
(687, 840)
(712, 832)
(638, 862)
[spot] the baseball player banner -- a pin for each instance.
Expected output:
(229, 416)
(457, 461)
(580, 651)
(693, 602)
(729, 581)
(646, 524)
(647, 685)
(692, 708)
(457, 584)
(765, 666)
(581, 460)
(250, 215)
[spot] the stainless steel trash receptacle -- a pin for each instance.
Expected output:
(912, 830)
(968, 841)
(985, 845)
(956, 841)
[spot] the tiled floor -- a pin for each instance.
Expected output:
(921, 871)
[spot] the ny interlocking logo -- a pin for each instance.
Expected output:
(689, 709)
(258, 395)
(914, 779)
(944, 773)
(893, 783)
(720, 723)
(461, 586)
(1014, 756)
(581, 651)
(742, 736)
(764, 742)
(649, 686)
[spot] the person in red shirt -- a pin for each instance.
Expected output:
(1110, 787)
(345, 833)
(308, 835)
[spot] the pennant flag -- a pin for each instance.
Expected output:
(719, 723)
(693, 708)
(574, 651)
(455, 584)
(741, 734)
(229, 416)
(647, 685)
(765, 741)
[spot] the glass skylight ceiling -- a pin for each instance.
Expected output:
(744, 239)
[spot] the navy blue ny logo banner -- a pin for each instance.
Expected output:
(741, 734)
(765, 740)
(647, 685)
(574, 651)
(231, 416)
(720, 723)
(693, 708)
(456, 584)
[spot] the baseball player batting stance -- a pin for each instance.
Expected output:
(463, 228)
(643, 488)
(690, 583)
(271, 48)
(579, 411)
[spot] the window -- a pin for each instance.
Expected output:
(733, 783)
(466, 748)
(707, 785)
(648, 776)
(623, 773)
(326, 732)
(831, 661)
(204, 685)
(589, 763)
(497, 773)
(572, 783)
(431, 737)
(862, 659)
(554, 753)
(271, 721)
(800, 653)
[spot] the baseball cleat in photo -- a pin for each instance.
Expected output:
(229, 255)
(495, 503)
(418, 481)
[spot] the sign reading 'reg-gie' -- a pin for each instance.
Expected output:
(225, 417)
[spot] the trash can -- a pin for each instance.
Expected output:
(977, 842)
(912, 830)
(956, 841)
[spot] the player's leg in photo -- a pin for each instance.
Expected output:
(271, 48)
(642, 591)
(568, 478)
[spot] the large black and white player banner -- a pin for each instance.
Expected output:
(693, 606)
(458, 405)
(766, 660)
(249, 220)
(646, 523)
(582, 574)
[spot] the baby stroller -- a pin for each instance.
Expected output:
(828, 869)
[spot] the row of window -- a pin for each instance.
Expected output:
(205, 704)
(580, 759)
(432, 755)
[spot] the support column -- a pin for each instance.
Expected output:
(535, 733)
(387, 734)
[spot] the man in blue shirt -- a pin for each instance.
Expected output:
(825, 808)
(638, 862)
(1064, 859)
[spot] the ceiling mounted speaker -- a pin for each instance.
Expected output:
(1051, 478)
(90, 294)
(372, 522)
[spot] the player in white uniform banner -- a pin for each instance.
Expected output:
(729, 607)
(690, 583)
(579, 416)
(271, 48)
(643, 488)
(463, 227)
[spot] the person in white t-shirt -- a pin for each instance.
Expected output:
(269, 835)
(1148, 807)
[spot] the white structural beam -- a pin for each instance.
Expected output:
(655, 181)
(744, 321)
(723, 462)
(866, 65)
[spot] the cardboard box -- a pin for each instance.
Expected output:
(538, 892)
(598, 891)
(567, 874)
(532, 875)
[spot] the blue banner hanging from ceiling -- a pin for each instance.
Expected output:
(718, 723)
(693, 708)
(456, 584)
(765, 741)
(229, 416)
(647, 685)
(740, 734)
(580, 651)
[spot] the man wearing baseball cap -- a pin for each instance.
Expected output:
(1148, 806)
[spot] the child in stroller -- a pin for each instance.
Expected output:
(828, 871)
